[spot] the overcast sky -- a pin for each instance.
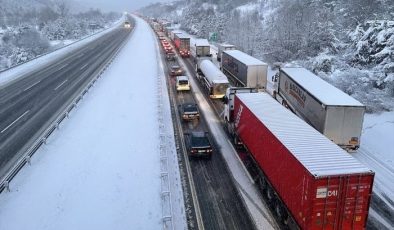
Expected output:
(118, 5)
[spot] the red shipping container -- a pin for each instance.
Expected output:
(322, 186)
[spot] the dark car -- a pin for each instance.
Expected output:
(170, 56)
(189, 111)
(199, 145)
(176, 70)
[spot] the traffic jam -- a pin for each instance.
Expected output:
(296, 152)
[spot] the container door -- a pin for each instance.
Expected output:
(355, 202)
(326, 203)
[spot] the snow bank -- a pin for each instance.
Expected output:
(102, 169)
(39, 62)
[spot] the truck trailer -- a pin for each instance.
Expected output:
(310, 182)
(244, 70)
(222, 47)
(212, 78)
(182, 43)
(200, 49)
(329, 110)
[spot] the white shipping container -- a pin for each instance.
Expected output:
(329, 110)
(244, 70)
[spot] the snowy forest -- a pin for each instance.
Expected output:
(349, 43)
(29, 28)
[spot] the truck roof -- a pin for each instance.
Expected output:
(182, 35)
(211, 72)
(319, 88)
(319, 155)
(201, 42)
(244, 58)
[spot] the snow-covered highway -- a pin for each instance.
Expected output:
(102, 170)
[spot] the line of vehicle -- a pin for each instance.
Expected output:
(20, 117)
(31, 86)
(197, 209)
(57, 87)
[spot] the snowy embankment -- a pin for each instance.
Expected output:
(377, 152)
(103, 168)
(41, 61)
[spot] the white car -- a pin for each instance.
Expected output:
(182, 83)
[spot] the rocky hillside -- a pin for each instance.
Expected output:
(347, 42)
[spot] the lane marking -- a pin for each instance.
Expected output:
(83, 67)
(57, 87)
(31, 86)
(2, 131)
(63, 66)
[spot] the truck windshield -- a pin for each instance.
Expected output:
(220, 89)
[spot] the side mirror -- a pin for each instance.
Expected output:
(225, 100)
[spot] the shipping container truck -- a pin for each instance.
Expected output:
(212, 78)
(329, 110)
(200, 49)
(309, 181)
(244, 70)
(222, 47)
(182, 43)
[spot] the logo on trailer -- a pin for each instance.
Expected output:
(238, 117)
(324, 192)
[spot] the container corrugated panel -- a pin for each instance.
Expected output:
(319, 183)
(320, 89)
(301, 139)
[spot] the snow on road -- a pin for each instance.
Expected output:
(377, 152)
(102, 169)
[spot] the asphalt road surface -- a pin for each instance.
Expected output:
(28, 105)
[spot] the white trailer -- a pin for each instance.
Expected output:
(222, 47)
(212, 78)
(244, 70)
(329, 110)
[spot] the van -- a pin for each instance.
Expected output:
(182, 83)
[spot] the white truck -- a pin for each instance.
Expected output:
(200, 48)
(222, 47)
(329, 110)
(212, 78)
(244, 70)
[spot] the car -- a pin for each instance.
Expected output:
(189, 111)
(198, 144)
(176, 70)
(182, 83)
(168, 50)
(170, 56)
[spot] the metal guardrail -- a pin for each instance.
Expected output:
(25, 158)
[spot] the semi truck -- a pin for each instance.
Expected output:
(200, 49)
(329, 110)
(182, 43)
(310, 182)
(222, 47)
(244, 70)
(212, 78)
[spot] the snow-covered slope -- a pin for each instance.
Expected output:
(338, 40)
